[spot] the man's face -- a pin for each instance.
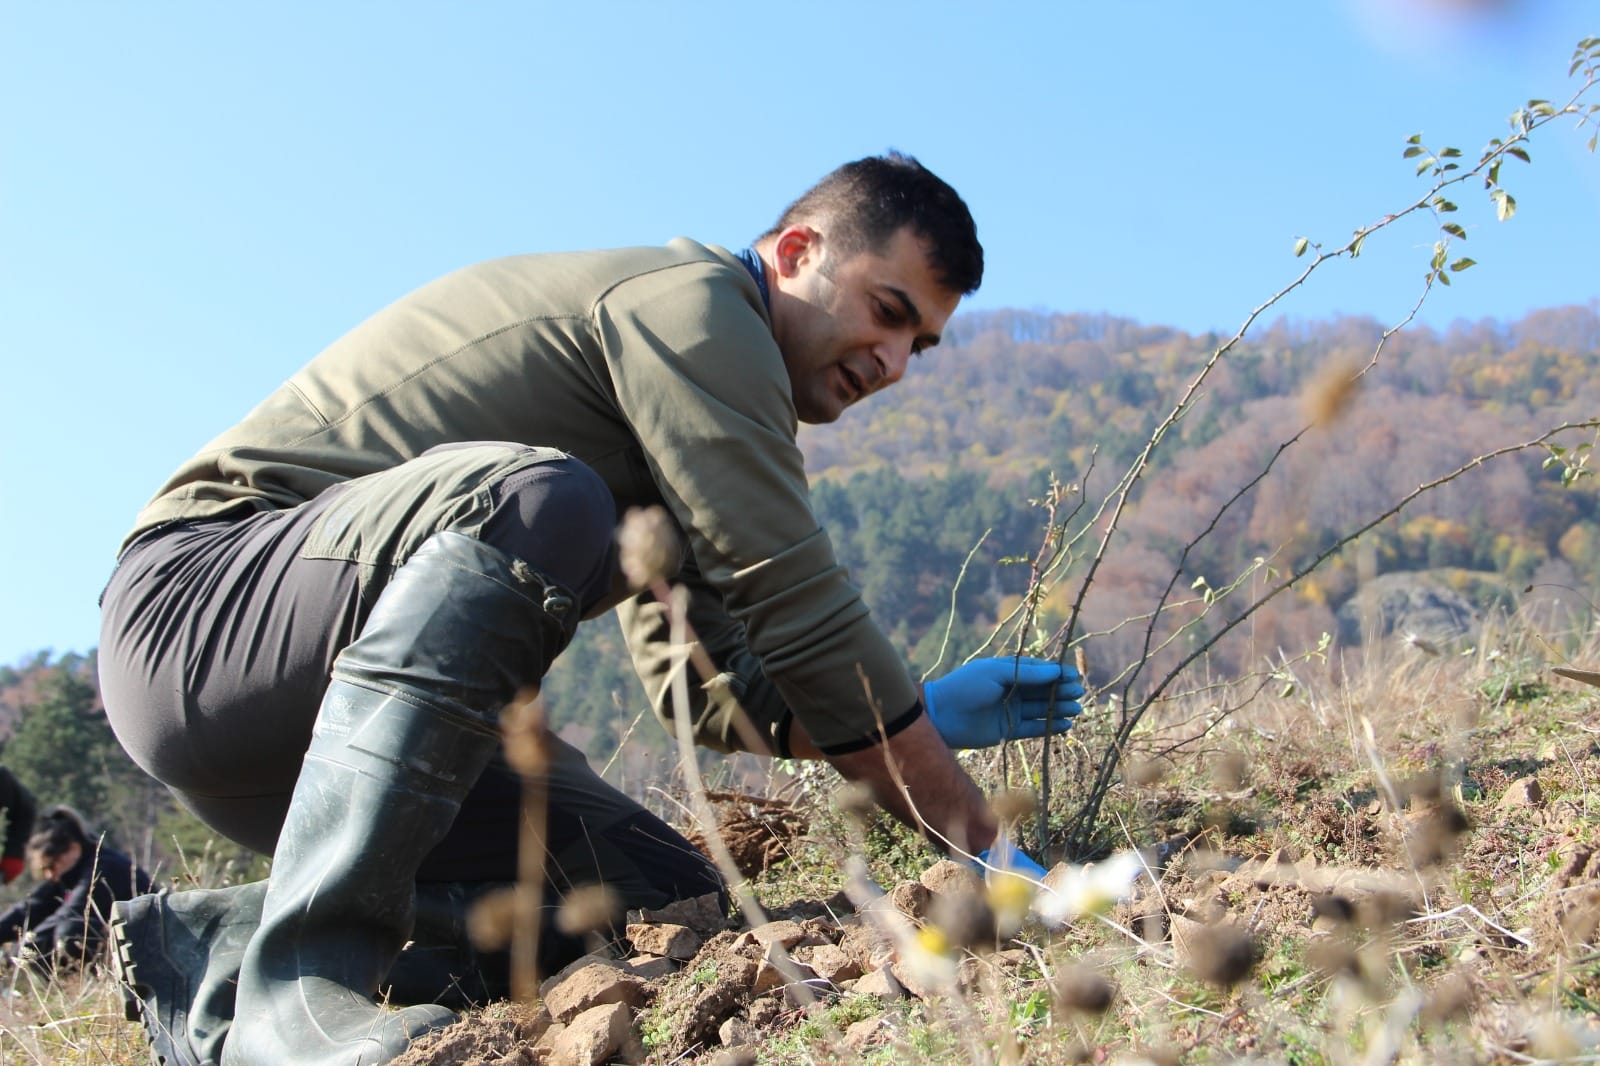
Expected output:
(849, 327)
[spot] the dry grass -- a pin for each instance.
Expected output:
(1351, 874)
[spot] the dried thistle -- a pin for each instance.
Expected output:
(647, 546)
(1334, 907)
(1431, 839)
(1083, 990)
(1146, 772)
(1333, 957)
(854, 800)
(1228, 771)
(1423, 788)
(1336, 957)
(1447, 1001)
(1384, 909)
(1221, 954)
(589, 909)
(1013, 805)
(522, 726)
(964, 918)
(1329, 394)
(491, 919)
(1581, 916)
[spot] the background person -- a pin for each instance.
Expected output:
(19, 807)
(63, 920)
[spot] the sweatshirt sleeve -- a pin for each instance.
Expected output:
(29, 911)
(20, 810)
(737, 709)
(701, 382)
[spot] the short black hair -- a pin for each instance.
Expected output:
(861, 205)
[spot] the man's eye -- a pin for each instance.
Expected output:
(887, 313)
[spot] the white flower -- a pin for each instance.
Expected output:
(1089, 889)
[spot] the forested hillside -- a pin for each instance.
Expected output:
(1013, 395)
(945, 465)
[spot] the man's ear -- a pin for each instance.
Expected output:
(793, 247)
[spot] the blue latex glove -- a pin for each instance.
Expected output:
(989, 701)
(1005, 855)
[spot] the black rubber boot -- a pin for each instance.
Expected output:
(405, 728)
(441, 965)
(178, 955)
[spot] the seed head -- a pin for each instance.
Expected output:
(1083, 990)
(1222, 954)
(1330, 393)
(1013, 805)
(647, 546)
(490, 921)
(964, 917)
(1228, 771)
(1146, 772)
(1448, 1000)
(854, 799)
(588, 909)
(526, 743)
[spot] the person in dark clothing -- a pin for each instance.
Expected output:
(63, 920)
(17, 802)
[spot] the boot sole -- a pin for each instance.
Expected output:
(131, 921)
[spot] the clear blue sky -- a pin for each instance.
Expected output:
(196, 198)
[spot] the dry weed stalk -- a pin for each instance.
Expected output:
(527, 751)
(648, 551)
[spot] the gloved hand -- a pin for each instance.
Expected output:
(1004, 855)
(989, 701)
(10, 867)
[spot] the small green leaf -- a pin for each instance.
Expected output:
(1463, 263)
(1454, 230)
(1300, 246)
(1449, 153)
(1520, 153)
(1592, 141)
(1355, 247)
(1415, 138)
(1451, 166)
(1443, 205)
(1505, 205)
(1412, 152)
(1494, 172)
(1444, 279)
(1425, 164)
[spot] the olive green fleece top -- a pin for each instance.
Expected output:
(658, 368)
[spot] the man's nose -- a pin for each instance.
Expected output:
(893, 357)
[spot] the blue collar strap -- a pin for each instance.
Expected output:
(752, 263)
